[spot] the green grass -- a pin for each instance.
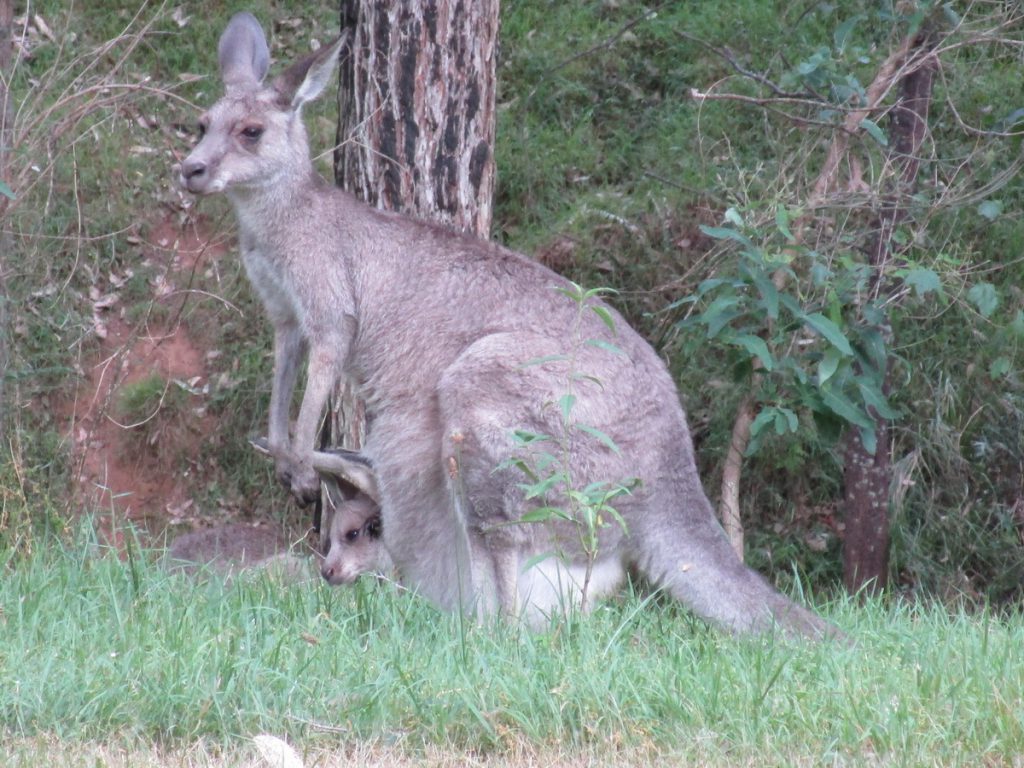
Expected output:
(599, 146)
(97, 649)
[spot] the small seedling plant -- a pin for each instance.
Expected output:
(551, 489)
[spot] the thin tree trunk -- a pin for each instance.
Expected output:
(866, 476)
(416, 124)
(732, 471)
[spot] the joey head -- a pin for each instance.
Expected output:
(354, 545)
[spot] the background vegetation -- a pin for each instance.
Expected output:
(612, 174)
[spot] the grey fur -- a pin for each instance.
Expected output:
(354, 540)
(443, 332)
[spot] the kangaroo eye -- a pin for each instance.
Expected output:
(252, 132)
(352, 535)
(201, 128)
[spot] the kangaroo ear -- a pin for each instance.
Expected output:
(349, 467)
(243, 53)
(306, 79)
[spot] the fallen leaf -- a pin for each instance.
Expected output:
(180, 18)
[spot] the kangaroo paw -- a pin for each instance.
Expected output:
(300, 479)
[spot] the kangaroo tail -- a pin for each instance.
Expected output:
(699, 568)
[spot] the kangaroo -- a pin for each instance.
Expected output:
(458, 345)
(353, 542)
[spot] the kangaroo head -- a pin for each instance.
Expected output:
(253, 137)
(354, 545)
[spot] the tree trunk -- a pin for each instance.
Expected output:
(416, 108)
(866, 512)
(416, 123)
(866, 476)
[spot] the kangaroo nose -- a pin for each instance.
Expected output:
(327, 572)
(192, 169)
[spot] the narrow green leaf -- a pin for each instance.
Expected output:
(537, 560)
(769, 295)
(580, 376)
(543, 360)
(601, 290)
(781, 423)
(830, 331)
(726, 233)
(872, 341)
(842, 34)
(719, 314)
(607, 346)
(542, 487)
(869, 439)
(524, 437)
(710, 284)
(791, 305)
(720, 304)
(844, 408)
(5, 190)
(754, 445)
(565, 404)
(606, 316)
(541, 462)
(542, 515)
(952, 17)
(794, 422)
(618, 518)
(733, 217)
(874, 131)
(828, 365)
(756, 346)
(874, 397)
(782, 223)
(765, 417)
(599, 435)
(721, 321)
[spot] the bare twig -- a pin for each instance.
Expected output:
(726, 55)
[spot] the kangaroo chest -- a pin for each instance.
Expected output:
(273, 284)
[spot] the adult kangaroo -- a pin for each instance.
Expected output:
(459, 345)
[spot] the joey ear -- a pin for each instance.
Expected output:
(306, 79)
(348, 467)
(243, 53)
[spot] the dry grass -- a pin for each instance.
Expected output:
(55, 752)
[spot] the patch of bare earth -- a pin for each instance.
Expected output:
(144, 469)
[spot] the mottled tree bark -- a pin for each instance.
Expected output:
(416, 120)
(866, 511)
(866, 476)
(416, 125)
